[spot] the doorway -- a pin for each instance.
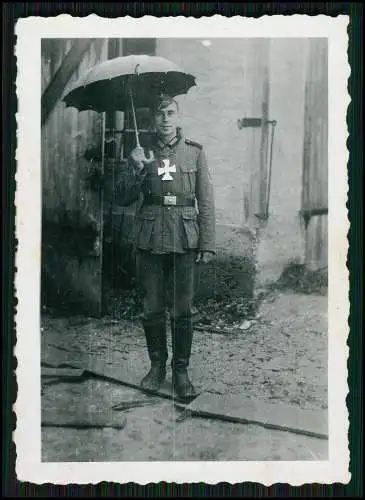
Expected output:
(118, 239)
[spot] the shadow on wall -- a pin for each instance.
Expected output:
(68, 250)
(228, 279)
(230, 275)
(232, 272)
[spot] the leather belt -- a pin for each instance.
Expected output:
(169, 200)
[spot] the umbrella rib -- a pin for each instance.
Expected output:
(134, 118)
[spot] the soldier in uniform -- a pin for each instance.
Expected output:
(175, 230)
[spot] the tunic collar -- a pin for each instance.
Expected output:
(172, 142)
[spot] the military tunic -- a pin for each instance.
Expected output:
(164, 229)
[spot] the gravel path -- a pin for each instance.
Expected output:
(281, 356)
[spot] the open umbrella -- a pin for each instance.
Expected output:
(130, 81)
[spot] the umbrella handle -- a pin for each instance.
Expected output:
(134, 120)
(151, 157)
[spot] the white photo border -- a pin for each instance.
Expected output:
(27, 435)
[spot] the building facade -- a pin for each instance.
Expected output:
(269, 174)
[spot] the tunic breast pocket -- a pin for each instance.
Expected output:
(145, 229)
(191, 228)
(188, 175)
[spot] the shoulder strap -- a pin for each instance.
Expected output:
(193, 143)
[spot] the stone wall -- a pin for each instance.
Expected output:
(283, 239)
(209, 115)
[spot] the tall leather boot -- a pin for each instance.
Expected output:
(155, 333)
(182, 336)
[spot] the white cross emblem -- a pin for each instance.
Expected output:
(165, 171)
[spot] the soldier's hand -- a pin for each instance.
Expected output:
(204, 257)
(139, 157)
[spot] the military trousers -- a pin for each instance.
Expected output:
(167, 282)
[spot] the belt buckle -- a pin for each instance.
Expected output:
(169, 200)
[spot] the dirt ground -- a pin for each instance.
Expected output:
(280, 355)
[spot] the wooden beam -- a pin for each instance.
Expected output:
(255, 127)
(314, 208)
(139, 46)
(263, 188)
(82, 418)
(62, 373)
(278, 416)
(54, 90)
(92, 365)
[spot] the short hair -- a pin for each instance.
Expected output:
(162, 101)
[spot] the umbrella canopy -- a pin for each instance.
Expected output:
(111, 84)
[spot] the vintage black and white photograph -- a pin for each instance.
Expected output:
(185, 274)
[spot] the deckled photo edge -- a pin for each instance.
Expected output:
(27, 293)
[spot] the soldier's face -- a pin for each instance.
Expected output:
(166, 120)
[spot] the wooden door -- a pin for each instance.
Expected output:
(72, 204)
(255, 126)
(119, 141)
(315, 159)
